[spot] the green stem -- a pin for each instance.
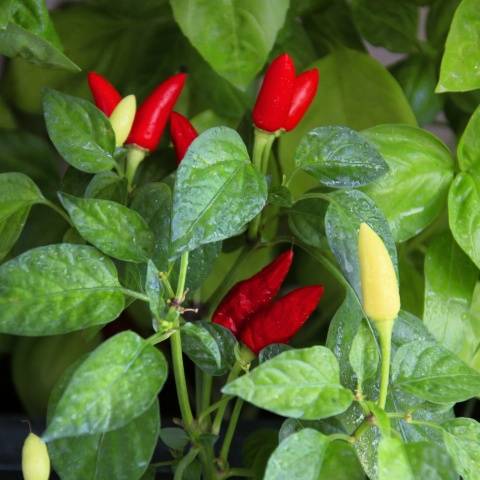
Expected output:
(206, 455)
(206, 393)
(364, 426)
(184, 463)
(227, 442)
(385, 337)
(135, 156)
(133, 294)
(182, 277)
(239, 472)
(157, 338)
(214, 406)
(341, 436)
(61, 212)
(166, 284)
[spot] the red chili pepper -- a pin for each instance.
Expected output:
(183, 134)
(284, 98)
(279, 321)
(251, 294)
(153, 114)
(105, 95)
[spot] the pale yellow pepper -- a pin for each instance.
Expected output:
(35, 459)
(122, 118)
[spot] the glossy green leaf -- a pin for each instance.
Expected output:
(123, 453)
(414, 190)
(81, 133)
(412, 461)
(306, 219)
(217, 190)
(462, 440)
(387, 23)
(432, 372)
(439, 18)
(113, 228)
(257, 449)
(118, 382)
(300, 456)
(412, 284)
(301, 383)
(468, 150)
(210, 346)
(174, 438)
(464, 214)
(450, 278)
(235, 37)
(364, 356)
(459, 69)
(347, 210)
(339, 157)
(271, 351)
(11, 229)
(58, 289)
(154, 290)
(108, 186)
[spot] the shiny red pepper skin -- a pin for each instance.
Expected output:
(304, 92)
(251, 294)
(153, 114)
(105, 95)
(183, 134)
(275, 95)
(279, 321)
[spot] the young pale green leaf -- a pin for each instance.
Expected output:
(224, 33)
(108, 186)
(210, 346)
(217, 191)
(114, 229)
(364, 354)
(464, 214)
(154, 291)
(58, 289)
(300, 456)
(413, 192)
(339, 157)
(413, 461)
(462, 440)
(347, 210)
(468, 149)
(116, 384)
(431, 372)
(123, 453)
(300, 383)
(81, 133)
(450, 279)
(459, 69)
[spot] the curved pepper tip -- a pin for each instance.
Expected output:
(105, 95)
(183, 133)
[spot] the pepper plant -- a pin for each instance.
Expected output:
(300, 250)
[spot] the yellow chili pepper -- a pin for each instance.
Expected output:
(35, 459)
(122, 118)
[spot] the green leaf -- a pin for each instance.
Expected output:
(124, 453)
(387, 23)
(306, 219)
(234, 37)
(364, 355)
(58, 289)
(414, 191)
(468, 150)
(210, 346)
(118, 382)
(450, 279)
(308, 386)
(81, 133)
(462, 440)
(11, 229)
(464, 214)
(433, 373)
(347, 210)
(108, 186)
(258, 448)
(300, 456)
(459, 69)
(412, 283)
(339, 157)
(113, 228)
(217, 190)
(271, 351)
(174, 438)
(356, 91)
(412, 461)
(154, 291)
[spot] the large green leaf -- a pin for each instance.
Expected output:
(108, 186)
(113, 228)
(459, 70)
(217, 190)
(81, 133)
(464, 214)
(364, 356)
(257, 449)
(300, 383)
(339, 157)
(11, 229)
(300, 456)
(355, 91)
(118, 382)
(450, 279)
(468, 150)
(433, 373)
(235, 37)
(58, 289)
(414, 190)
(306, 219)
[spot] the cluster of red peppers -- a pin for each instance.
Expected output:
(250, 312)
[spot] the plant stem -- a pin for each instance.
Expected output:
(135, 156)
(61, 212)
(215, 406)
(206, 393)
(231, 430)
(134, 294)
(385, 336)
(341, 436)
(239, 472)
(184, 463)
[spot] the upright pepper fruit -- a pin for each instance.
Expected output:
(251, 314)
(122, 118)
(35, 459)
(183, 134)
(105, 95)
(284, 98)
